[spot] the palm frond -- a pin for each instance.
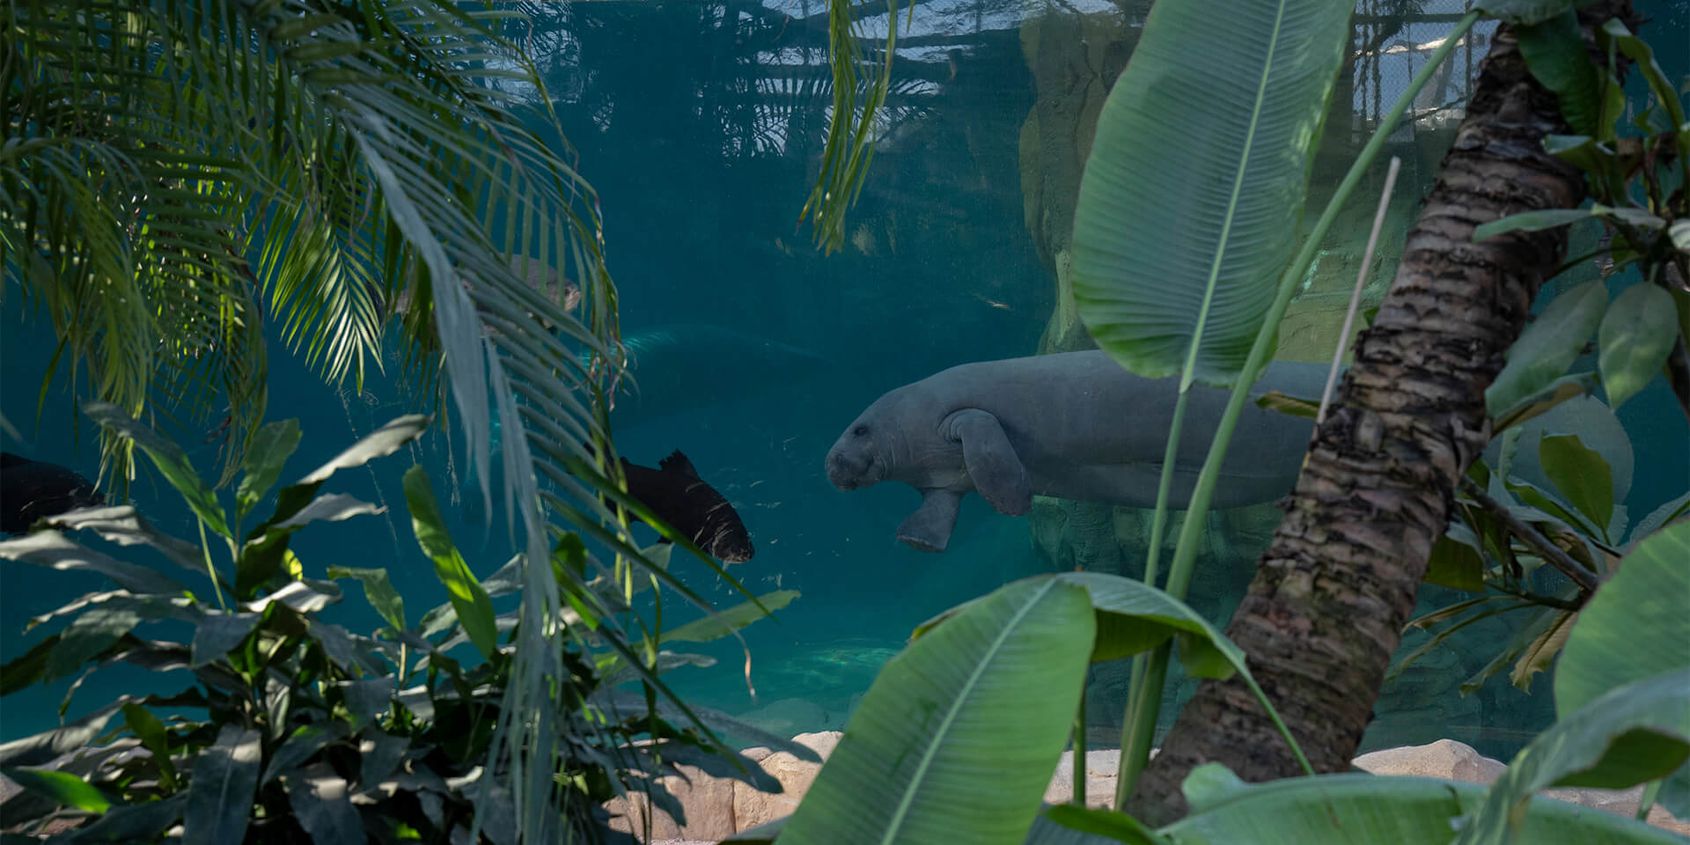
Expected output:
(176, 164)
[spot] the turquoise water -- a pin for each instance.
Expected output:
(701, 125)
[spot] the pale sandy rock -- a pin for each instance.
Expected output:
(752, 808)
(1100, 778)
(1620, 802)
(707, 800)
(1445, 758)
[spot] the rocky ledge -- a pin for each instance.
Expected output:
(716, 808)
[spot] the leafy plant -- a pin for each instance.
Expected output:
(1639, 182)
(291, 727)
(173, 166)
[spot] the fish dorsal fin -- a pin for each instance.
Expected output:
(678, 462)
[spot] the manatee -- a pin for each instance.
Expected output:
(34, 490)
(1073, 425)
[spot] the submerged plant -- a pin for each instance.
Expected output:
(290, 727)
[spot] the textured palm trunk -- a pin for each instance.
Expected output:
(1328, 604)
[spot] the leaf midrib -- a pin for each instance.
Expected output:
(938, 735)
(1187, 376)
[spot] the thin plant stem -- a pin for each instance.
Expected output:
(1185, 549)
(1550, 552)
(1078, 797)
(1651, 791)
(210, 569)
(1355, 293)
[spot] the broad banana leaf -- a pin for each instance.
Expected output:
(1199, 169)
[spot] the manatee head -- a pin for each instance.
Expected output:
(862, 455)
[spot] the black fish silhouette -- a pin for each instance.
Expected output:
(676, 494)
(32, 490)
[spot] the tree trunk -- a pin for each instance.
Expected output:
(1328, 604)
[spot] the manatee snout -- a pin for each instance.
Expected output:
(850, 463)
(845, 469)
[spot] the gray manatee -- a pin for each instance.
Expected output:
(1073, 425)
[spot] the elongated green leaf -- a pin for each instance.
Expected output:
(1636, 335)
(122, 525)
(1202, 152)
(379, 591)
(1631, 734)
(87, 635)
(219, 633)
(1580, 474)
(1360, 809)
(54, 551)
(150, 731)
(380, 443)
(1662, 515)
(1554, 50)
(469, 600)
(171, 461)
(1133, 618)
(1545, 400)
(1548, 346)
(323, 806)
(1273, 400)
(1116, 827)
(132, 823)
(1527, 12)
(63, 787)
(225, 776)
(724, 622)
(955, 711)
(1531, 221)
(43, 747)
(1634, 627)
(269, 450)
(1456, 560)
(301, 745)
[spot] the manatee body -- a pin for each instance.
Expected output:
(684, 366)
(1073, 425)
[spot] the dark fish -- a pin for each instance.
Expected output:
(676, 494)
(32, 490)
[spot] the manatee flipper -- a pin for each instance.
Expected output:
(992, 464)
(929, 528)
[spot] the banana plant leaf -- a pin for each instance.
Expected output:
(1634, 627)
(1635, 733)
(1346, 809)
(956, 739)
(1201, 157)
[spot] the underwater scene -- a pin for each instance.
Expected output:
(762, 367)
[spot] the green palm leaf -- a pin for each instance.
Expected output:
(1201, 159)
(176, 164)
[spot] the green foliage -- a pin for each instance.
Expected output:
(1631, 734)
(290, 728)
(1636, 336)
(952, 710)
(1190, 301)
(1343, 809)
(469, 600)
(856, 105)
(1548, 346)
(1646, 593)
(180, 176)
(956, 709)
